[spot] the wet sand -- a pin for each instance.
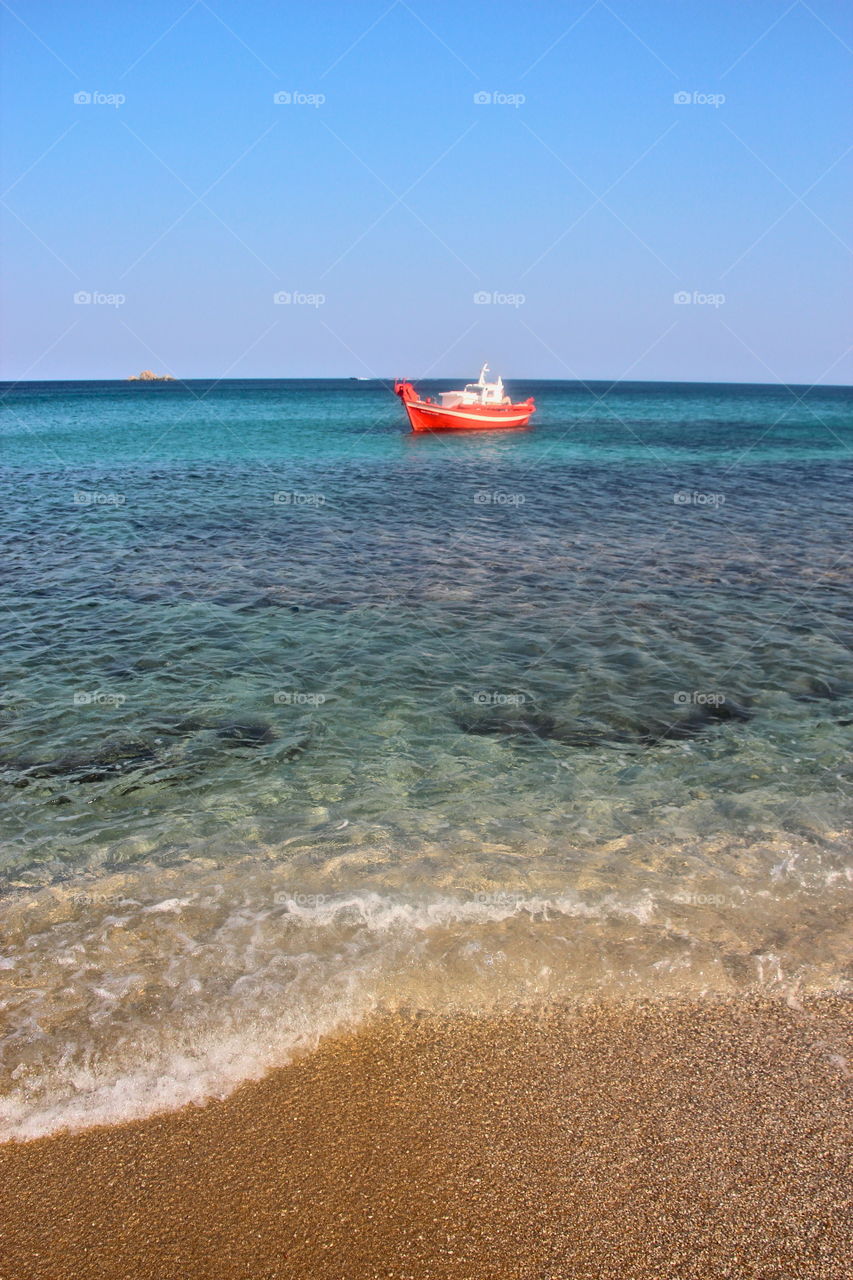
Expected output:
(674, 1140)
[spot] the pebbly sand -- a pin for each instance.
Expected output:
(669, 1141)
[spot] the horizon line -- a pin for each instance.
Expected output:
(176, 380)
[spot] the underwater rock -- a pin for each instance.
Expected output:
(731, 710)
(532, 723)
(163, 777)
(117, 755)
(246, 733)
(698, 721)
(509, 721)
(819, 689)
(293, 746)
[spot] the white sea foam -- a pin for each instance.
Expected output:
(212, 1068)
(172, 986)
(202, 1004)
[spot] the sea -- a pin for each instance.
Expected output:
(306, 719)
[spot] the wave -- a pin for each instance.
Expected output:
(173, 986)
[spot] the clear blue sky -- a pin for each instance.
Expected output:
(400, 197)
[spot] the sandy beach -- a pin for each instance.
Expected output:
(666, 1140)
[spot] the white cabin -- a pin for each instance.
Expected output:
(479, 392)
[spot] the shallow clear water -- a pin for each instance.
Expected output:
(303, 715)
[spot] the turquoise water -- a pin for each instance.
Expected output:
(304, 715)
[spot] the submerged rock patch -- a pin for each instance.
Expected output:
(528, 722)
(246, 733)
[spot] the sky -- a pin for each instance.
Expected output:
(597, 189)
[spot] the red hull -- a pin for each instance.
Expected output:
(424, 415)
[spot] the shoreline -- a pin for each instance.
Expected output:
(672, 1139)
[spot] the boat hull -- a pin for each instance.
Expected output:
(425, 415)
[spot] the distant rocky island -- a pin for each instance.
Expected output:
(147, 376)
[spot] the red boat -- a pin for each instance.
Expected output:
(481, 406)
